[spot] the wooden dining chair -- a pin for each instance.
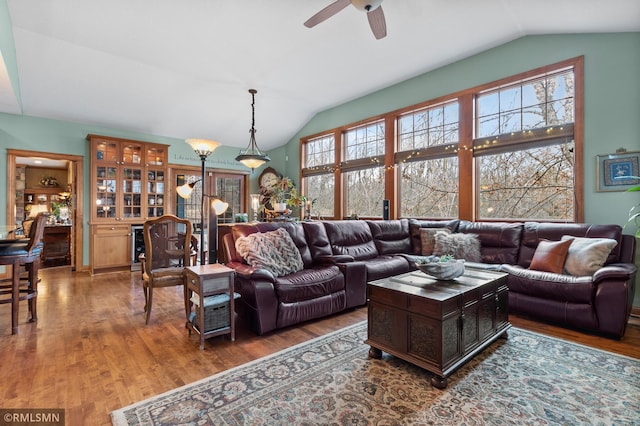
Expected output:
(167, 251)
(17, 253)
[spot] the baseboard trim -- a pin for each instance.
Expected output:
(635, 311)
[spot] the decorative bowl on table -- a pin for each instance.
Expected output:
(442, 268)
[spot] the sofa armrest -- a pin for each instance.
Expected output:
(615, 290)
(355, 281)
(334, 259)
(622, 271)
(250, 273)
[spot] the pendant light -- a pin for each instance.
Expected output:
(252, 157)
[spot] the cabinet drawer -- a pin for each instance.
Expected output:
(112, 229)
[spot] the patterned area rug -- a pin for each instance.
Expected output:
(529, 379)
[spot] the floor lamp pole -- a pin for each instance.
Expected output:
(204, 187)
(213, 236)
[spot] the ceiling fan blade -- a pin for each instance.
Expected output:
(327, 13)
(377, 22)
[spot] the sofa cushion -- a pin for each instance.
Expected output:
(273, 250)
(415, 225)
(385, 266)
(309, 284)
(551, 286)
(391, 236)
(352, 238)
(550, 256)
(587, 255)
(460, 246)
(428, 239)
(499, 241)
(317, 239)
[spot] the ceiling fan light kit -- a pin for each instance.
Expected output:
(373, 8)
(366, 5)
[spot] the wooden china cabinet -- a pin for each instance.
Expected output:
(128, 181)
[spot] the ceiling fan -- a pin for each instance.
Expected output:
(372, 7)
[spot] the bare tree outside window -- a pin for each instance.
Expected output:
(321, 190)
(429, 188)
(534, 183)
(364, 192)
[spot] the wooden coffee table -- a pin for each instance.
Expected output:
(437, 325)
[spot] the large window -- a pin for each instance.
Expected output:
(428, 161)
(506, 150)
(319, 160)
(525, 150)
(362, 171)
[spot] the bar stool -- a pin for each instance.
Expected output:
(17, 253)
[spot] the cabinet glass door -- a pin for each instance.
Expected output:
(156, 155)
(132, 154)
(106, 151)
(106, 181)
(132, 192)
(155, 193)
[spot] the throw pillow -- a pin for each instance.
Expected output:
(460, 246)
(587, 255)
(428, 239)
(274, 251)
(550, 256)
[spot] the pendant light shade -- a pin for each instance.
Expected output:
(252, 157)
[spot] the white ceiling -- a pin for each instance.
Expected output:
(183, 68)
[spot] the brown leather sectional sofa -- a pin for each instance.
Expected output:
(340, 257)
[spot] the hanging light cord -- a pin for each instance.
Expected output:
(253, 118)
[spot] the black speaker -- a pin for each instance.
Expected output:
(385, 209)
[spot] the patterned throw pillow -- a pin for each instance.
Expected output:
(274, 251)
(460, 246)
(428, 239)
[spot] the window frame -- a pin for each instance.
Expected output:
(465, 146)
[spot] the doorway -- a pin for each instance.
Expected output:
(47, 193)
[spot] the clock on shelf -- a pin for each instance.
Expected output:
(268, 177)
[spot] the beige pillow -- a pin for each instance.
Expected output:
(428, 239)
(587, 255)
(460, 246)
(550, 256)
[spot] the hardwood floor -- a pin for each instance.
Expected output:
(90, 352)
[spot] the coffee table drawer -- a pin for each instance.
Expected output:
(386, 296)
(433, 308)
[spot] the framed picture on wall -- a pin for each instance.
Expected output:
(617, 172)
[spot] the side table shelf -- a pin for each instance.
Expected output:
(202, 282)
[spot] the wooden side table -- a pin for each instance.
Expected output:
(203, 281)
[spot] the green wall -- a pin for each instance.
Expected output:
(612, 112)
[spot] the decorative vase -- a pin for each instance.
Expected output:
(448, 270)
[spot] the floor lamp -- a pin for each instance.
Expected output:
(203, 148)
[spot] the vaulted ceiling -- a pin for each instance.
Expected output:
(183, 68)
